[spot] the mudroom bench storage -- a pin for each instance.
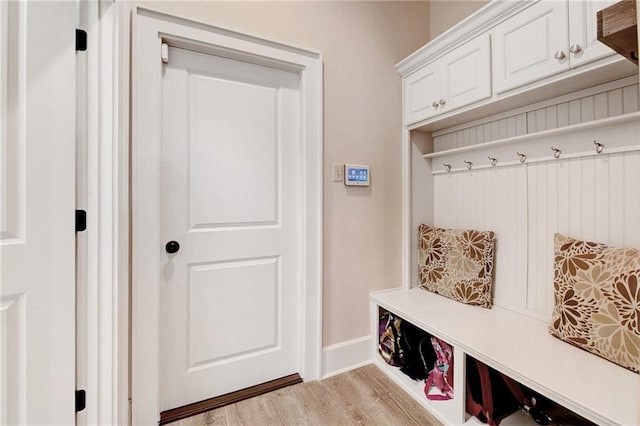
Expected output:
(517, 345)
(519, 122)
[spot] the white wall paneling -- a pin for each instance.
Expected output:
(588, 198)
(582, 194)
(615, 134)
(421, 194)
(579, 107)
(495, 200)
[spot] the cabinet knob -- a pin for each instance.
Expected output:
(435, 104)
(575, 48)
(442, 102)
(559, 55)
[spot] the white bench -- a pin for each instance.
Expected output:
(518, 346)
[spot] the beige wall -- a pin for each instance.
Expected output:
(444, 14)
(361, 42)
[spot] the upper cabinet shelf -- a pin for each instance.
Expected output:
(618, 29)
(506, 55)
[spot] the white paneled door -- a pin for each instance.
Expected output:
(37, 203)
(230, 227)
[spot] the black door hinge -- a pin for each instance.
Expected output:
(81, 40)
(81, 220)
(81, 400)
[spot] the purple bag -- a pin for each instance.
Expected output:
(389, 343)
(442, 374)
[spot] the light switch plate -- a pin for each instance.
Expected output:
(338, 172)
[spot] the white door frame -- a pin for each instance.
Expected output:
(150, 30)
(103, 250)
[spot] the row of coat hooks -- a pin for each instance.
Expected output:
(557, 152)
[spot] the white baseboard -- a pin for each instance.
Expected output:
(345, 356)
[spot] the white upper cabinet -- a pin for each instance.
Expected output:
(467, 74)
(530, 45)
(507, 54)
(422, 93)
(459, 78)
(584, 46)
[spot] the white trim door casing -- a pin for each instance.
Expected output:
(103, 191)
(150, 30)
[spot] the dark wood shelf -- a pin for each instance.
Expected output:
(618, 29)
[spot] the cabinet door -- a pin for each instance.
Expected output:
(530, 45)
(422, 93)
(467, 74)
(583, 31)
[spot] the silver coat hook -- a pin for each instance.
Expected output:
(469, 164)
(523, 157)
(556, 152)
(493, 161)
(447, 167)
(599, 147)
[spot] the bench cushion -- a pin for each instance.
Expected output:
(457, 264)
(597, 299)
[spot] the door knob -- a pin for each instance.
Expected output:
(575, 48)
(442, 102)
(559, 55)
(434, 104)
(172, 247)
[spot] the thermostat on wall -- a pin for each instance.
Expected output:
(356, 175)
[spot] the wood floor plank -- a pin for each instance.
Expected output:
(382, 403)
(394, 395)
(365, 396)
(320, 405)
(286, 406)
(379, 408)
(256, 411)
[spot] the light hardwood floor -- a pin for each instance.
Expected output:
(364, 396)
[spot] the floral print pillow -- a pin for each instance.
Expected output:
(597, 299)
(457, 264)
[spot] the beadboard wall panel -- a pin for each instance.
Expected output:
(610, 103)
(490, 200)
(592, 198)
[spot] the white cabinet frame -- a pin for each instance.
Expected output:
(520, 76)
